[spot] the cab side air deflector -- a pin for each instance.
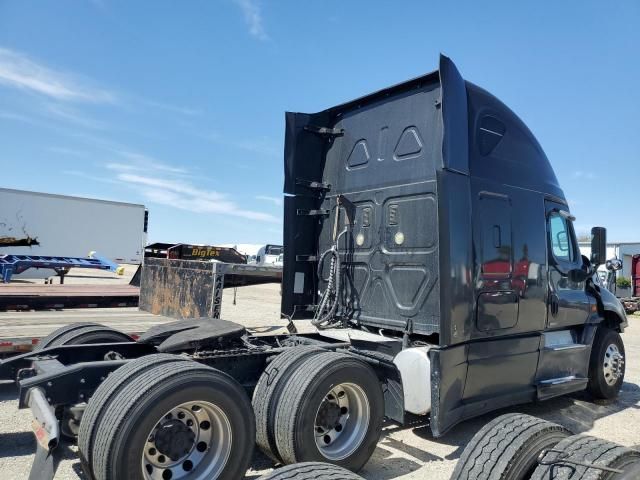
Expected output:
(455, 145)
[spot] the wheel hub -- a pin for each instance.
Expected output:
(190, 442)
(341, 421)
(174, 439)
(328, 415)
(613, 364)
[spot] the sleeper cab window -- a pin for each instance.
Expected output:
(490, 133)
(560, 238)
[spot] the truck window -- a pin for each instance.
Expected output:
(561, 244)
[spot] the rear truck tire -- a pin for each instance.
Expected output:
(311, 471)
(507, 448)
(176, 420)
(53, 336)
(80, 334)
(606, 364)
(331, 410)
(586, 449)
(267, 395)
(105, 393)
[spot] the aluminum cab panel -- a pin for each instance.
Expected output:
(510, 258)
(386, 165)
(386, 283)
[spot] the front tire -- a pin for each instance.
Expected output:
(589, 450)
(180, 420)
(507, 448)
(606, 364)
(311, 471)
(331, 410)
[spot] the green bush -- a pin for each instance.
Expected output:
(623, 282)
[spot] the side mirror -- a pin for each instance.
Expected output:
(598, 246)
(577, 275)
(614, 264)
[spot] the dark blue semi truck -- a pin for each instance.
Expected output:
(428, 240)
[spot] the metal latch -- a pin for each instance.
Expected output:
(313, 185)
(306, 258)
(321, 212)
(325, 131)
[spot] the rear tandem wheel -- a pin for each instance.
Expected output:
(175, 421)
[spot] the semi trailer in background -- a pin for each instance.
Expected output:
(33, 223)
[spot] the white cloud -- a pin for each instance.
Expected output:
(17, 70)
(74, 117)
(185, 196)
(275, 200)
(68, 151)
(190, 112)
(142, 162)
(260, 145)
(585, 175)
(17, 117)
(253, 18)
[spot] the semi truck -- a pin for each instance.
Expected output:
(34, 223)
(426, 238)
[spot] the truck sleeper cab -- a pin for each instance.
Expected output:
(427, 238)
(455, 233)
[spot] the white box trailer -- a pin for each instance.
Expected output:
(61, 225)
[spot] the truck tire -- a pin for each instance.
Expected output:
(606, 364)
(507, 448)
(49, 339)
(331, 410)
(101, 398)
(267, 395)
(584, 448)
(179, 419)
(80, 334)
(311, 471)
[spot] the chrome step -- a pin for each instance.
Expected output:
(566, 346)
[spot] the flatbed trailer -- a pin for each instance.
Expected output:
(21, 331)
(38, 297)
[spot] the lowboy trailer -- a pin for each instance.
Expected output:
(428, 240)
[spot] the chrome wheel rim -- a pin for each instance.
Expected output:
(192, 441)
(342, 421)
(612, 365)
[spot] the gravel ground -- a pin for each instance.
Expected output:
(403, 453)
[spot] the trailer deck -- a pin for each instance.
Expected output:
(20, 331)
(35, 297)
(255, 306)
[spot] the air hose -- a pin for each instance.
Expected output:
(324, 316)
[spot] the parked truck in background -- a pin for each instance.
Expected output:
(428, 240)
(33, 223)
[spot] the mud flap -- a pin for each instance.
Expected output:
(45, 464)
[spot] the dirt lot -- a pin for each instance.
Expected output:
(403, 453)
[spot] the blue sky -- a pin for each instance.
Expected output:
(180, 105)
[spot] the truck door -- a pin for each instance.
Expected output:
(567, 301)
